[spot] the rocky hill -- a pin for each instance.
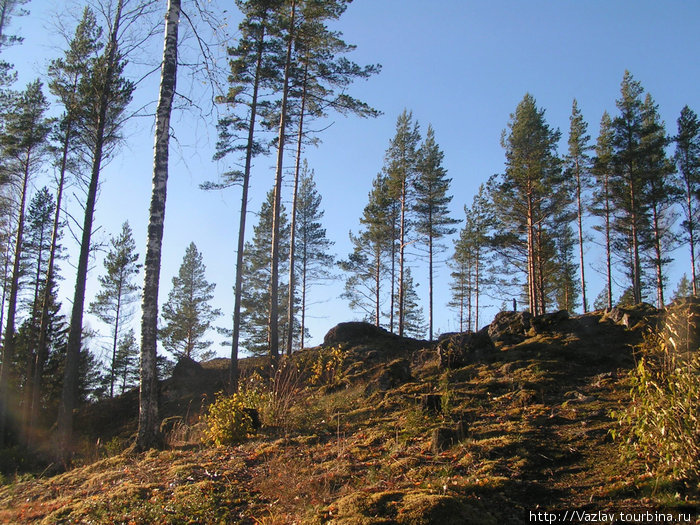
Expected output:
(507, 425)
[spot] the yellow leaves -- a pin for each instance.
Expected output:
(227, 421)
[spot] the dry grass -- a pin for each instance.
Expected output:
(536, 421)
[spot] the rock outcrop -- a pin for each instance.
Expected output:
(510, 327)
(461, 349)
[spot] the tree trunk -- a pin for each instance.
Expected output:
(691, 233)
(531, 279)
(273, 321)
(608, 243)
(430, 276)
(147, 436)
(115, 341)
(70, 376)
(8, 349)
(580, 238)
(636, 260)
(292, 225)
(402, 249)
(303, 296)
(658, 261)
(377, 280)
(476, 287)
(233, 367)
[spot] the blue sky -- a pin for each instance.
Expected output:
(461, 66)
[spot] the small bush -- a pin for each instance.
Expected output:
(328, 368)
(227, 422)
(661, 425)
(275, 398)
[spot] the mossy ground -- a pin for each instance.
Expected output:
(537, 420)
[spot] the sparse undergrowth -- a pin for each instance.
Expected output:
(367, 443)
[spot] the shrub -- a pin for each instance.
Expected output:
(227, 421)
(328, 368)
(274, 398)
(661, 425)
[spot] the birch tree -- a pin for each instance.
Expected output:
(147, 435)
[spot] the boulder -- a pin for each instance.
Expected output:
(389, 375)
(353, 332)
(464, 348)
(631, 316)
(187, 370)
(510, 327)
(548, 322)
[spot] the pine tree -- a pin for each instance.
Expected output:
(629, 181)
(312, 243)
(106, 94)
(603, 205)
(8, 9)
(578, 167)
(255, 312)
(414, 321)
(660, 194)
(366, 266)
(470, 259)
(118, 291)
(126, 362)
(687, 159)
(567, 286)
(23, 147)
(462, 275)
(35, 255)
(528, 197)
(320, 69)
(684, 288)
(289, 25)
(433, 219)
(65, 76)
(251, 71)
(400, 166)
(187, 314)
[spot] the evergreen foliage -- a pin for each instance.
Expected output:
(687, 157)
(118, 292)
(400, 165)
(366, 267)
(433, 220)
(255, 301)
(312, 243)
(602, 205)
(530, 196)
(23, 147)
(470, 260)
(188, 314)
(577, 167)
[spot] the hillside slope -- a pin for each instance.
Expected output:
(375, 429)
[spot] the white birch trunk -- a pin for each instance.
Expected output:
(148, 432)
